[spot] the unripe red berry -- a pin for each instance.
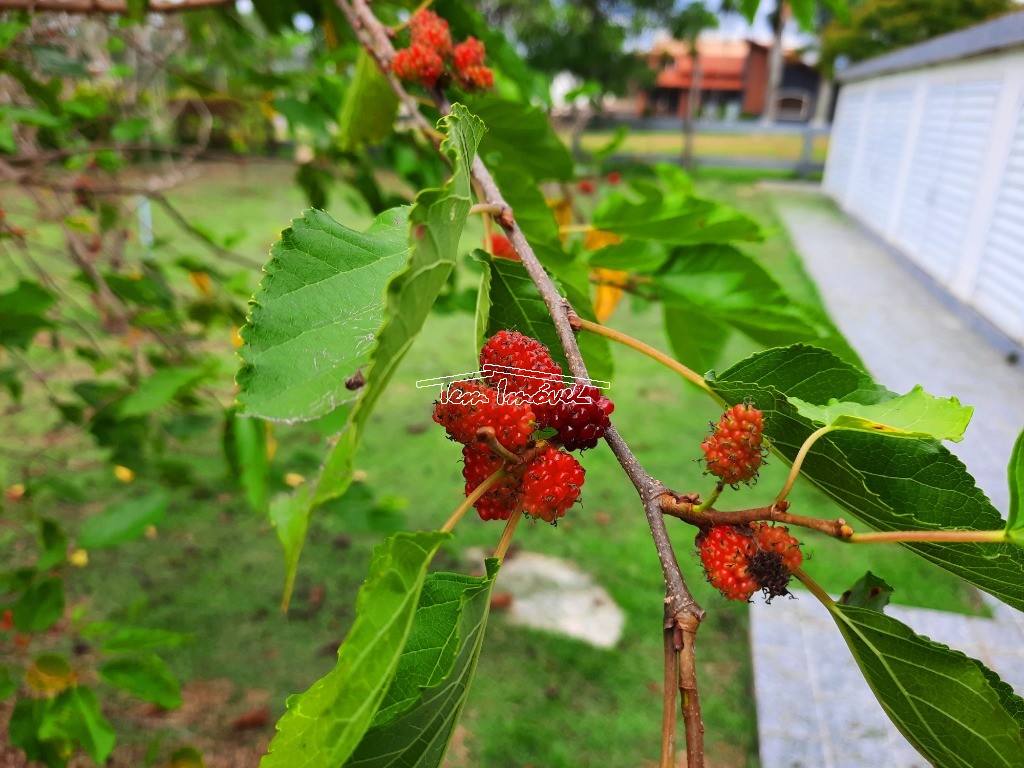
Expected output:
(776, 539)
(431, 31)
(467, 406)
(740, 560)
(579, 413)
(551, 484)
(734, 450)
(477, 78)
(418, 64)
(586, 186)
(517, 363)
(725, 552)
(614, 177)
(469, 53)
(501, 246)
(503, 498)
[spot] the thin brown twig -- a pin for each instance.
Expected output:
(489, 208)
(668, 712)
(190, 228)
(689, 512)
(689, 694)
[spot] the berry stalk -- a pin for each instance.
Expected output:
(709, 504)
(472, 499)
(506, 536)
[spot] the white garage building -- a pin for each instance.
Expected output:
(927, 151)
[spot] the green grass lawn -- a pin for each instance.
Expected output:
(711, 145)
(214, 569)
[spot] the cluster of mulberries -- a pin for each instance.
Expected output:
(522, 391)
(431, 53)
(578, 413)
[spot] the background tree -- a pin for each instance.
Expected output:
(587, 39)
(809, 15)
(688, 25)
(776, 62)
(874, 27)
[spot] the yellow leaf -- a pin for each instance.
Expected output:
(608, 294)
(50, 674)
(79, 223)
(123, 474)
(330, 35)
(271, 443)
(561, 207)
(596, 239)
(151, 532)
(201, 280)
(293, 479)
(79, 558)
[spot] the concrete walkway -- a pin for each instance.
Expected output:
(814, 708)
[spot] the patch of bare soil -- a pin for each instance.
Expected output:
(230, 728)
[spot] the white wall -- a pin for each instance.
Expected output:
(933, 161)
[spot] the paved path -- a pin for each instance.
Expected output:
(814, 708)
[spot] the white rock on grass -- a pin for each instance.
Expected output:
(556, 596)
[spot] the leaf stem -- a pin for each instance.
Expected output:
(794, 471)
(875, 537)
(646, 349)
(472, 499)
(506, 535)
(491, 209)
(814, 588)
(569, 229)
